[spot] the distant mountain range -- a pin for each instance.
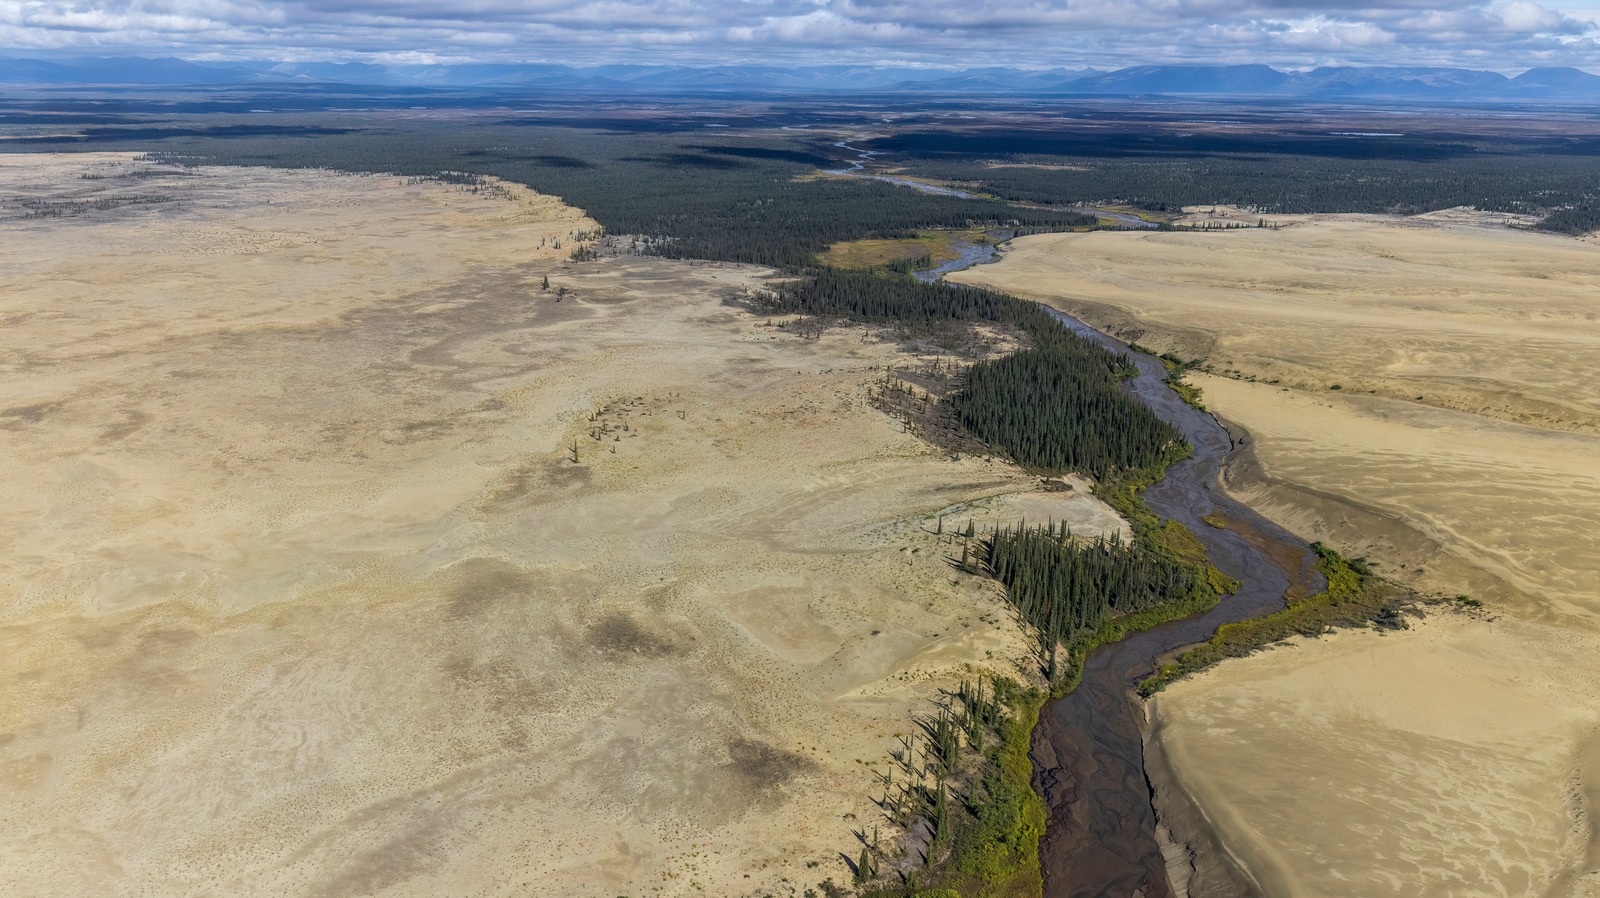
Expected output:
(1329, 83)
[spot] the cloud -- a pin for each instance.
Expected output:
(951, 33)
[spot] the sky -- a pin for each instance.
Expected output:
(1503, 35)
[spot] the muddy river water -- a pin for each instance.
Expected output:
(1089, 746)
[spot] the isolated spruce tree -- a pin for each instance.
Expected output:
(864, 868)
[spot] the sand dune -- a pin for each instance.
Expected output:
(1462, 757)
(1468, 317)
(1457, 759)
(303, 593)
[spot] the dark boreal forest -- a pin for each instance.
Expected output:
(1164, 170)
(755, 199)
(1053, 406)
(1574, 221)
(1065, 586)
(751, 192)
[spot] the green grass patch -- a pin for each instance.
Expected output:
(1176, 370)
(998, 857)
(1188, 392)
(1355, 597)
(998, 821)
(925, 250)
(875, 253)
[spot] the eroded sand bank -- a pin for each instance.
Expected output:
(302, 593)
(1460, 757)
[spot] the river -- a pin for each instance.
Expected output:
(858, 166)
(970, 254)
(1088, 749)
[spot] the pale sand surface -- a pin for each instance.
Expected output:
(1439, 762)
(1448, 501)
(1460, 757)
(1468, 317)
(302, 594)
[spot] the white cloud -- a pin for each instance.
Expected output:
(1524, 16)
(941, 32)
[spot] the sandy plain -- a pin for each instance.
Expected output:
(1460, 453)
(303, 593)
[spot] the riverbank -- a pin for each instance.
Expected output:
(1158, 459)
(1417, 768)
(1103, 837)
(1089, 747)
(1436, 475)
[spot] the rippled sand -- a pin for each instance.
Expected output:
(303, 594)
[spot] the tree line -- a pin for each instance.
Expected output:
(1054, 406)
(1283, 184)
(757, 200)
(1575, 221)
(1066, 586)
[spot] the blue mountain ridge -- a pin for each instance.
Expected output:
(1326, 83)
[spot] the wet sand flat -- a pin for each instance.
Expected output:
(1459, 453)
(304, 594)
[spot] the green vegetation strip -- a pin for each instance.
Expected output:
(906, 254)
(1176, 369)
(1355, 597)
(999, 855)
(1078, 595)
(984, 841)
(1054, 406)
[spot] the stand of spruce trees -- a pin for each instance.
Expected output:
(1055, 406)
(1577, 221)
(1065, 586)
(1056, 409)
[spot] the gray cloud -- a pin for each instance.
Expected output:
(1503, 34)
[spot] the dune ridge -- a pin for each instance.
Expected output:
(1458, 452)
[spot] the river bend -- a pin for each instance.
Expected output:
(1088, 749)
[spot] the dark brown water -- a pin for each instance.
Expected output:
(1088, 749)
